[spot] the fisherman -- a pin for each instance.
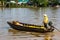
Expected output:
(45, 20)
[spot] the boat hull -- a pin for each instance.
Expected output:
(29, 29)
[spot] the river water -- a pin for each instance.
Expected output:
(31, 16)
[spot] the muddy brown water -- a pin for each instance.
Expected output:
(31, 16)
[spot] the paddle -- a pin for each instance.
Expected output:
(56, 28)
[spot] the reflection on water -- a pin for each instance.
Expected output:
(31, 16)
(46, 36)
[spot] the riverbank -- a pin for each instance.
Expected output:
(20, 6)
(27, 6)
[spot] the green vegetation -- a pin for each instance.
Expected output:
(38, 3)
(46, 2)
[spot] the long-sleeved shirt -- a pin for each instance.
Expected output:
(45, 20)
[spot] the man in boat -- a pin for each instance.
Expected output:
(45, 20)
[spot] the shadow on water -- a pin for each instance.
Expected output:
(46, 36)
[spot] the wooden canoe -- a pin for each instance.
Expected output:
(29, 27)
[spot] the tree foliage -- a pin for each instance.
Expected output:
(45, 2)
